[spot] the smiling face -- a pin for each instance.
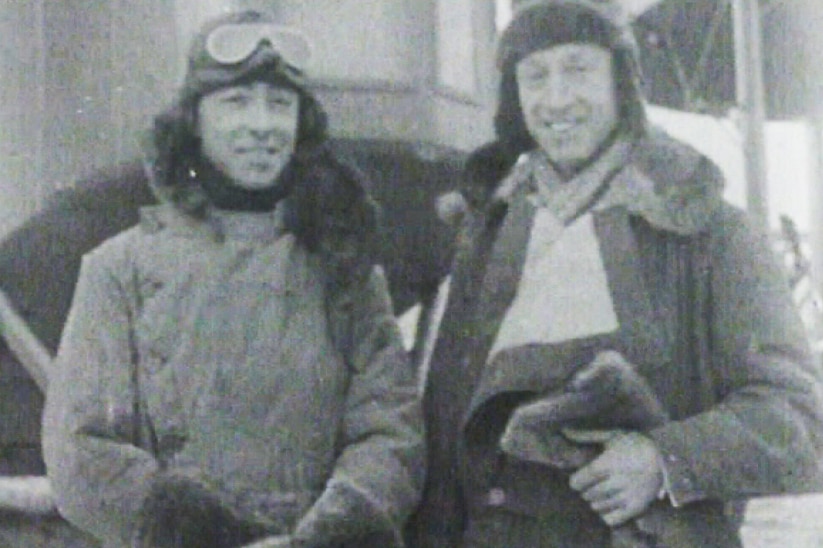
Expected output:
(567, 95)
(249, 131)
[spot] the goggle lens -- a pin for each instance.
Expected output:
(230, 44)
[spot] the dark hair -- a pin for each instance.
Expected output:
(333, 213)
(326, 205)
(173, 151)
(335, 205)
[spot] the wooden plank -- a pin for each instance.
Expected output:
(24, 343)
(31, 495)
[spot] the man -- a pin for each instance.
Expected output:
(619, 356)
(230, 371)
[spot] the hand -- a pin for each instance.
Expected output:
(623, 481)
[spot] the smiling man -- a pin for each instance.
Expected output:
(230, 370)
(568, 100)
(249, 131)
(619, 356)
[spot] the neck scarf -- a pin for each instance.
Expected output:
(224, 194)
(566, 198)
(671, 201)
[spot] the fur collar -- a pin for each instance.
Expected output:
(328, 209)
(665, 181)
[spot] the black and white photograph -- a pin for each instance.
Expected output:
(411, 274)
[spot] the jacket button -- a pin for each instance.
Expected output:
(496, 497)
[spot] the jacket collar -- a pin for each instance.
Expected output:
(216, 224)
(668, 183)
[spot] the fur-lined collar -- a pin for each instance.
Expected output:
(665, 181)
(217, 225)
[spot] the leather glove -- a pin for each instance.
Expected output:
(180, 511)
(343, 516)
(607, 394)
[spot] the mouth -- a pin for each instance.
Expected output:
(258, 150)
(260, 159)
(561, 127)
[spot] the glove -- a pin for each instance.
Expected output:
(180, 511)
(343, 516)
(607, 394)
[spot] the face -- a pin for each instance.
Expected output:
(568, 98)
(249, 131)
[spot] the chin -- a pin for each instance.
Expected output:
(257, 180)
(575, 151)
(565, 157)
(255, 184)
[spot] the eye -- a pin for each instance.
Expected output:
(578, 69)
(235, 98)
(532, 77)
(281, 100)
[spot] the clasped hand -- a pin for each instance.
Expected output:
(623, 480)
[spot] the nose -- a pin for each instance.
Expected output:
(261, 118)
(557, 92)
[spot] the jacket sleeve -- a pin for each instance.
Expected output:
(764, 436)
(99, 473)
(378, 475)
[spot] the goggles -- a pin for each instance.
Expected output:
(233, 43)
